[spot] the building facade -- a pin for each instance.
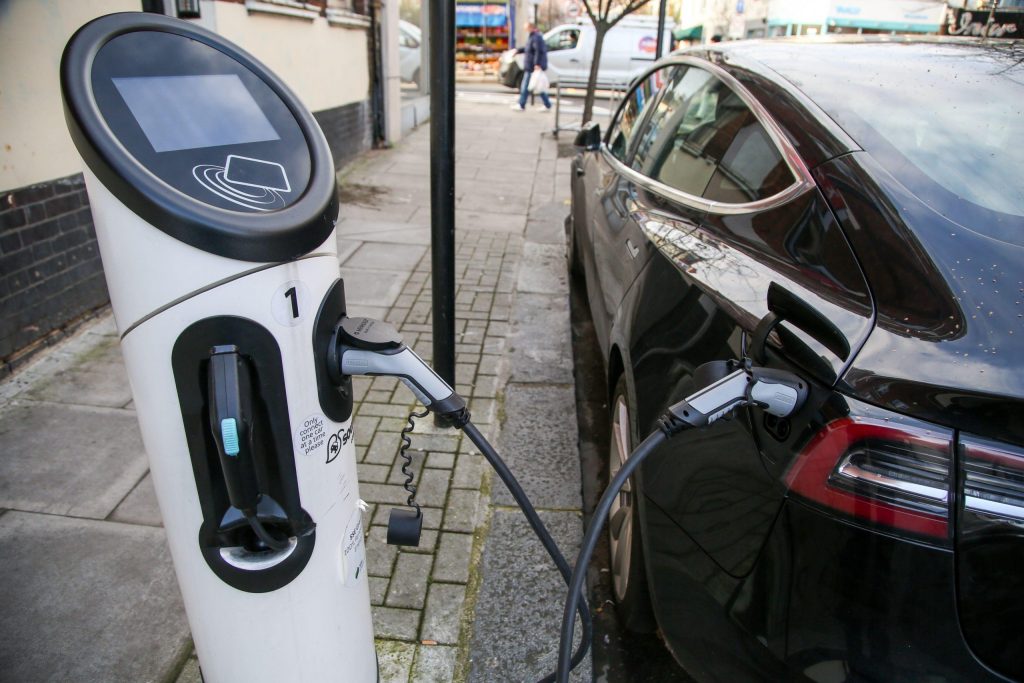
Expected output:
(707, 20)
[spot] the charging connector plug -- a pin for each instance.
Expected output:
(363, 346)
(777, 392)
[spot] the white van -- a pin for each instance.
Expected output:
(409, 39)
(628, 49)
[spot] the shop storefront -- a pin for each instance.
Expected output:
(985, 23)
(482, 33)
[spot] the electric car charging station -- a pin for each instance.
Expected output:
(214, 200)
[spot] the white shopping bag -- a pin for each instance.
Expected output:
(539, 82)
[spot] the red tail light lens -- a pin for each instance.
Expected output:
(892, 473)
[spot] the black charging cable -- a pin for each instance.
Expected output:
(403, 453)
(261, 533)
(600, 515)
(546, 540)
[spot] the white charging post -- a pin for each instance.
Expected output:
(213, 194)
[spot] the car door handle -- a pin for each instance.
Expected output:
(574, 61)
(633, 251)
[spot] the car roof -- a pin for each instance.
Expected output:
(795, 58)
(783, 72)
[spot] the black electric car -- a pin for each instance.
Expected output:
(852, 211)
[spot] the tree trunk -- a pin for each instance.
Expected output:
(600, 28)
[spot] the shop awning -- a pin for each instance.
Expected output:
(476, 15)
(692, 33)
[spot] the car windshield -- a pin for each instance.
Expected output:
(945, 120)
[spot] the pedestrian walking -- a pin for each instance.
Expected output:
(536, 59)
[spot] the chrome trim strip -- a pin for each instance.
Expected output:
(992, 507)
(804, 182)
(850, 471)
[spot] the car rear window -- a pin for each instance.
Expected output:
(702, 139)
(945, 120)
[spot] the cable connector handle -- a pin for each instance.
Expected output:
(363, 346)
(778, 392)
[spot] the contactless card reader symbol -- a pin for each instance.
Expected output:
(256, 173)
(251, 183)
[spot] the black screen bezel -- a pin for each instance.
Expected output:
(273, 236)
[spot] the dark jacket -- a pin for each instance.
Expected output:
(536, 52)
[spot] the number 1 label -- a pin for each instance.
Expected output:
(291, 303)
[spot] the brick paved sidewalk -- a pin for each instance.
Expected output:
(447, 609)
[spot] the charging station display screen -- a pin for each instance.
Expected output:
(192, 112)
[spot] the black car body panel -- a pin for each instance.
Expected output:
(753, 574)
(868, 607)
(949, 307)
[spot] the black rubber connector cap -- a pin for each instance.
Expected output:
(404, 527)
(369, 334)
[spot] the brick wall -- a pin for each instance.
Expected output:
(50, 271)
(348, 130)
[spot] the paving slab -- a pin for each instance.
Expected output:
(394, 661)
(434, 664)
(540, 345)
(356, 212)
(443, 615)
(507, 202)
(399, 257)
(395, 623)
(543, 269)
(97, 377)
(139, 506)
(453, 559)
(379, 231)
(95, 601)
(347, 247)
(409, 581)
(546, 223)
(538, 442)
(68, 460)
(376, 288)
(519, 609)
(58, 358)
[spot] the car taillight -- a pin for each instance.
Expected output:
(890, 472)
(993, 476)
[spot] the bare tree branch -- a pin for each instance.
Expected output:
(602, 24)
(629, 9)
